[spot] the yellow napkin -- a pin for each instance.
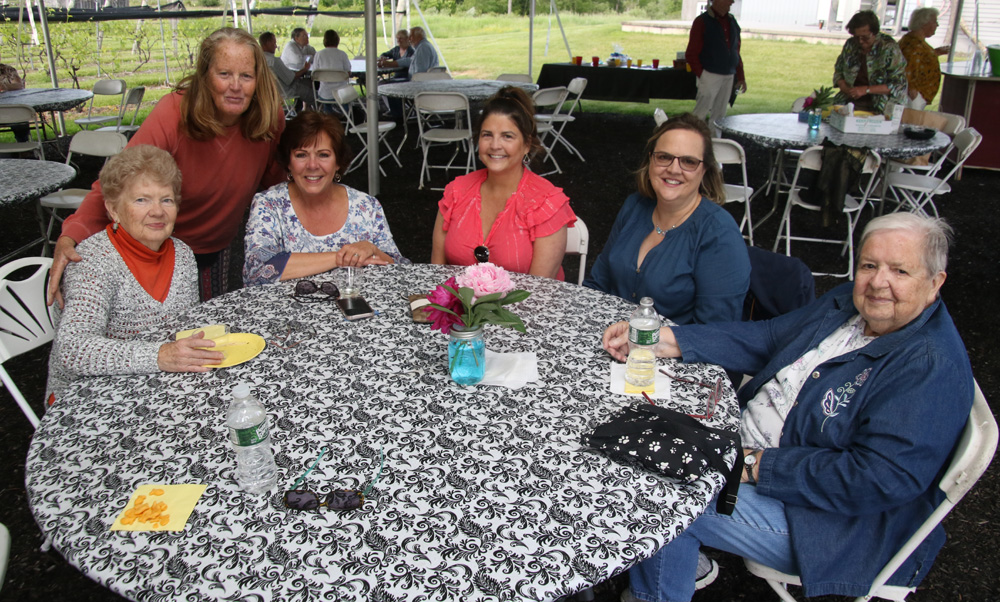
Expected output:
(238, 347)
(180, 501)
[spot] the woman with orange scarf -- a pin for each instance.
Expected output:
(133, 277)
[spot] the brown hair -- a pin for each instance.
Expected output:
(331, 38)
(862, 19)
(198, 111)
(306, 128)
(711, 186)
(515, 103)
(142, 160)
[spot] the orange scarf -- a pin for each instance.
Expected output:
(153, 270)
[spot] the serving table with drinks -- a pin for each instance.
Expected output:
(975, 94)
(486, 492)
(623, 84)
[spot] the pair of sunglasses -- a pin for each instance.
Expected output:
(338, 499)
(713, 397)
(305, 288)
(482, 253)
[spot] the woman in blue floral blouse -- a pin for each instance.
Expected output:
(870, 70)
(312, 223)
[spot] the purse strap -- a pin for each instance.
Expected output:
(726, 500)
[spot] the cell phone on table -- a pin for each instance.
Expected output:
(355, 308)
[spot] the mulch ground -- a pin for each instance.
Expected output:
(968, 567)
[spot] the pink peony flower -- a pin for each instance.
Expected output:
(442, 320)
(808, 102)
(485, 279)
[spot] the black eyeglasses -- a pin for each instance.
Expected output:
(713, 397)
(482, 253)
(338, 499)
(304, 288)
(686, 162)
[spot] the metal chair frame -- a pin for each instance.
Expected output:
(559, 119)
(436, 104)
(915, 191)
(16, 114)
(577, 243)
(133, 100)
(345, 98)
(104, 87)
(553, 99)
(730, 152)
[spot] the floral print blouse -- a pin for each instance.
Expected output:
(923, 69)
(274, 232)
(886, 65)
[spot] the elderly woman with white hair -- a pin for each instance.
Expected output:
(923, 69)
(856, 405)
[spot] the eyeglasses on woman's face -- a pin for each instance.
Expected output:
(687, 162)
(482, 253)
(305, 288)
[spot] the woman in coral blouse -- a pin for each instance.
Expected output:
(505, 213)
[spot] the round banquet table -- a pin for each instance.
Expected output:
(27, 179)
(474, 89)
(486, 492)
(47, 99)
(785, 131)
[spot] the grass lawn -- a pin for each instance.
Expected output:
(479, 47)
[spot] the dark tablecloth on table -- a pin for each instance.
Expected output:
(621, 83)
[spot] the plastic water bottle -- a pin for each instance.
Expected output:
(251, 440)
(643, 335)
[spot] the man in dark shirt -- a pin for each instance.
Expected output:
(713, 53)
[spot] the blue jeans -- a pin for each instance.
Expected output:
(757, 529)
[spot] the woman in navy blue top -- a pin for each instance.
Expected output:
(671, 240)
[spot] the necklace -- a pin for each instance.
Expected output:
(661, 231)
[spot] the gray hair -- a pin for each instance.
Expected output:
(936, 232)
(921, 17)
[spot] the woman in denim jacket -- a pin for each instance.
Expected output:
(857, 403)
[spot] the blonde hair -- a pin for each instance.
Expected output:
(142, 160)
(711, 186)
(198, 111)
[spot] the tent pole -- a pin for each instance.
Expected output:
(371, 99)
(163, 44)
(562, 30)
(430, 34)
(531, 33)
(246, 10)
(955, 21)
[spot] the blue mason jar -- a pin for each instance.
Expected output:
(466, 355)
(815, 118)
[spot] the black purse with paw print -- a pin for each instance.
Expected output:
(672, 444)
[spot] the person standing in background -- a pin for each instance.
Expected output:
(923, 69)
(713, 53)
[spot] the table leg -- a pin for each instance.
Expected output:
(779, 170)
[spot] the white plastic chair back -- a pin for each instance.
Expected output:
(523, 78)
(578, 243)
(438, 69)
(798, 105)
(659, 116)
(26, 322)
(952, 123)
(4, 551)
(133, 100)
(330, 76)
(15, 114)
(730, 152)
(96, 144)
(436, 104)
(104, 87)
(550, 97)
(976, 447)
(430, 76)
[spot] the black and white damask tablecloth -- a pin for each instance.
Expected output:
(486, 492)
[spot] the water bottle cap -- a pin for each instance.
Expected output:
(646, 301)
(241, 390)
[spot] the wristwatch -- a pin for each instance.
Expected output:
(868, 90)
(749, 461)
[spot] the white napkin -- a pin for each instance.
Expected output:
(511, 370)
(661, 382)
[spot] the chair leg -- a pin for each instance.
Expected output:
(782, 590)
(16, 394)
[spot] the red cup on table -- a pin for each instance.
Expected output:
(577, 60)
(595, 59)
(656, 63)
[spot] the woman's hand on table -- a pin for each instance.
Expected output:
(615, 342)
(189, 355)
(856, 92)
(362, 253)
(63, 253)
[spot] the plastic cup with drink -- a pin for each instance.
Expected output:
(656, 63)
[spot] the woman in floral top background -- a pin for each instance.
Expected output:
(871, 70)
(923, 69)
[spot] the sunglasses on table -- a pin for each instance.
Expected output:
(687, 162)
(713, 397)
(305, 288)
(482, 253)
(338, 499)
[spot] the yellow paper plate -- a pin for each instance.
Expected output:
(180, 501)
(238, 347)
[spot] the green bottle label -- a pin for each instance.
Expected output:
(643, 337)
(248, 436)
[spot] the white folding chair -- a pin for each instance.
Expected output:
(427, 76)
(4, 551)
(18, 114)
(26, 322)
(330, 76)
(952, 125)
(972, 456)
(133, 100)
(559, 119)
(436, 104)
(659, 116)
(104, 87)
(346, 97)
(729, 152)
(915, 191)
(577, 243)
(812, 160)
(522, 78)
(550, 99)
(85, 142)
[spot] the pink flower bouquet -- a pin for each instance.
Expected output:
(475, 297)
